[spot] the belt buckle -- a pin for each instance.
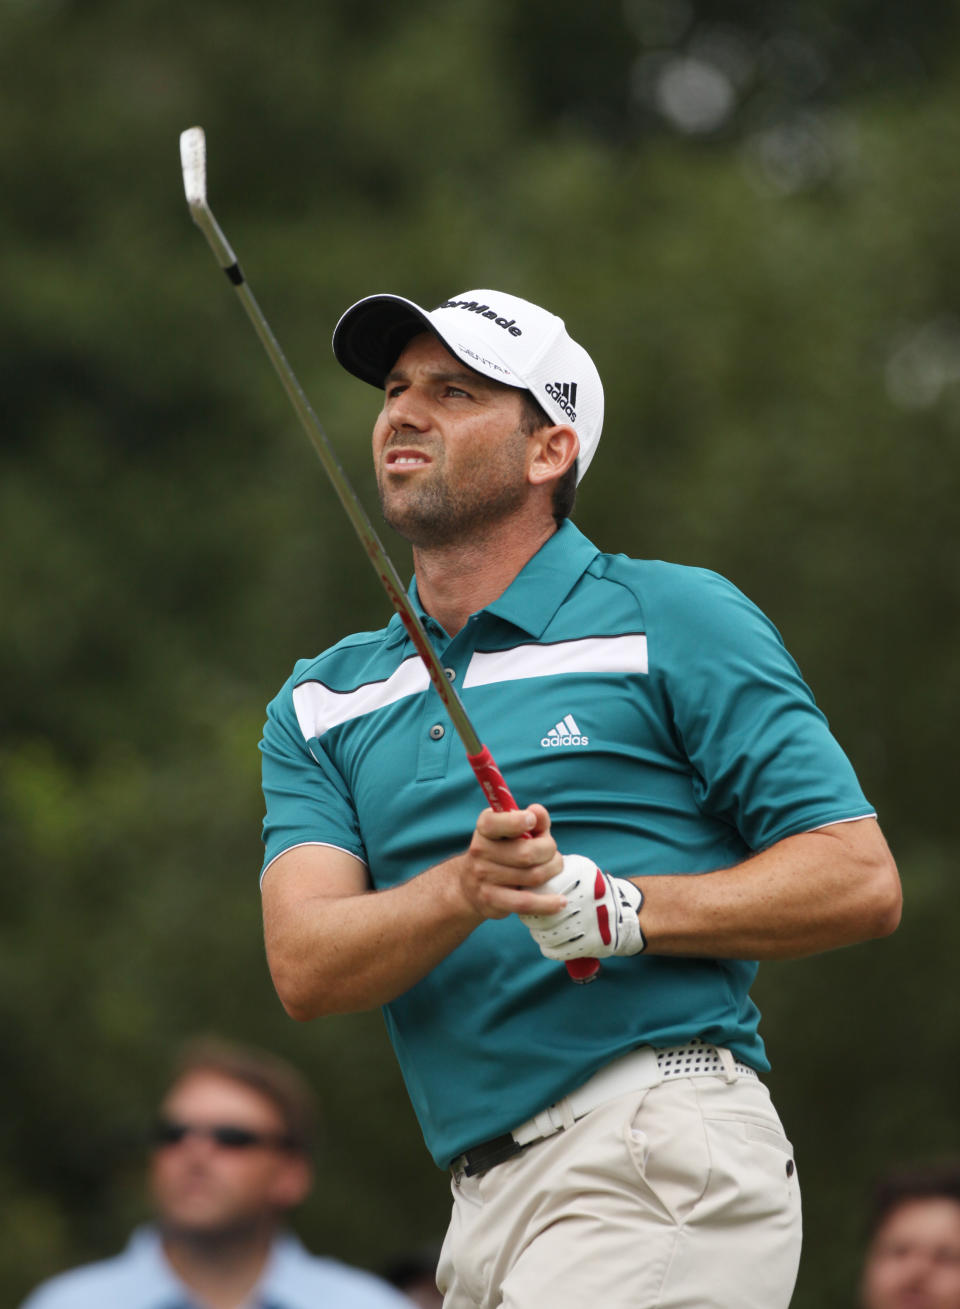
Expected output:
(479, 1159)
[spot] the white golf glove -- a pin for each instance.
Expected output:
(601, 917)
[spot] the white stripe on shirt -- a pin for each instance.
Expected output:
(318, 708)
(592, 654)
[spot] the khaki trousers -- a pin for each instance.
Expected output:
(680, 1196)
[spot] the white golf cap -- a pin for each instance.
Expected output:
(499, 335)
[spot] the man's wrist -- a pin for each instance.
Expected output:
(601, 918)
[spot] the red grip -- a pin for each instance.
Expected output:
(583, 970)
(501, 801)
(491, 782)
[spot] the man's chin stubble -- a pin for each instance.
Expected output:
(437, 522)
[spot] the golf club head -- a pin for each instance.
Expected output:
(193, 159)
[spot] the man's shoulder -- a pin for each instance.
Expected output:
(93, 1286)
(670, 589)
(361, 656)
(321, 1279)
(658, 574)
(684, 611)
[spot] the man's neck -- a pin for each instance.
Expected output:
(455, 581)
(222, 1271)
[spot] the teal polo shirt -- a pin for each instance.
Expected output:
(653, 710)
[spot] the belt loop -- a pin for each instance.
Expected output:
(729, 1063)
(654, 1065)
(565, 1114)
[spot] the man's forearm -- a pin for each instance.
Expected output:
(808, 893)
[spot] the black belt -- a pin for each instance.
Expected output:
(479, 1158)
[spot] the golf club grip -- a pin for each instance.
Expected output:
(501, 801)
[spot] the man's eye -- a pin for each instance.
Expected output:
(457, 390)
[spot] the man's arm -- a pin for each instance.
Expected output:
(823, 889)
(816, 891)
(334, 946)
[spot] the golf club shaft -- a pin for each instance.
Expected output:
(485, 770)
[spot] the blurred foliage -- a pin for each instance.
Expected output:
(748, 214)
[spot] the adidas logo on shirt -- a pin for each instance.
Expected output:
(566, 732)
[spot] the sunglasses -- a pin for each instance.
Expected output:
(167, 1132)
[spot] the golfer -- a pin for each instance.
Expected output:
(685, 813)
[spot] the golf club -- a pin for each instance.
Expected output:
(193, 160)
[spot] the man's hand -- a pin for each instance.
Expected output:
(600, 918)
(511, 856)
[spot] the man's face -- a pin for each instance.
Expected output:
(914, 1259)
(449, 452)
(205, 1189)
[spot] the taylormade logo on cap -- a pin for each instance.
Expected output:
(487, 312)
(499, 335)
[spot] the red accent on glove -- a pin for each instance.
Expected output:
(603, 918)
(603, 922)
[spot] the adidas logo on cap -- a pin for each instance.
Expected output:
(566, 732)
(565, 395)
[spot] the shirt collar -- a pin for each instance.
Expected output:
(282, 1284)
(538, 590)
(161, 1286)
(542, 585)
(279, 1288)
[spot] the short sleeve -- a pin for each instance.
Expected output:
(307, 800)
(762, 752)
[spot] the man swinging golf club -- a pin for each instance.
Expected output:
(614, 1141)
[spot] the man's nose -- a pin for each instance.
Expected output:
(195, 1145)
(408, 410)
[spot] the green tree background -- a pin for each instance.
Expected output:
(748, 212)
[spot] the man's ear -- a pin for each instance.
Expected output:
(555, 449)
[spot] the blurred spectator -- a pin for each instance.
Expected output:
(913, 1251)
(230, 1157)
(415, 1274)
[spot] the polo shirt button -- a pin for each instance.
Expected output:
(451, 674)
(437, 731)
